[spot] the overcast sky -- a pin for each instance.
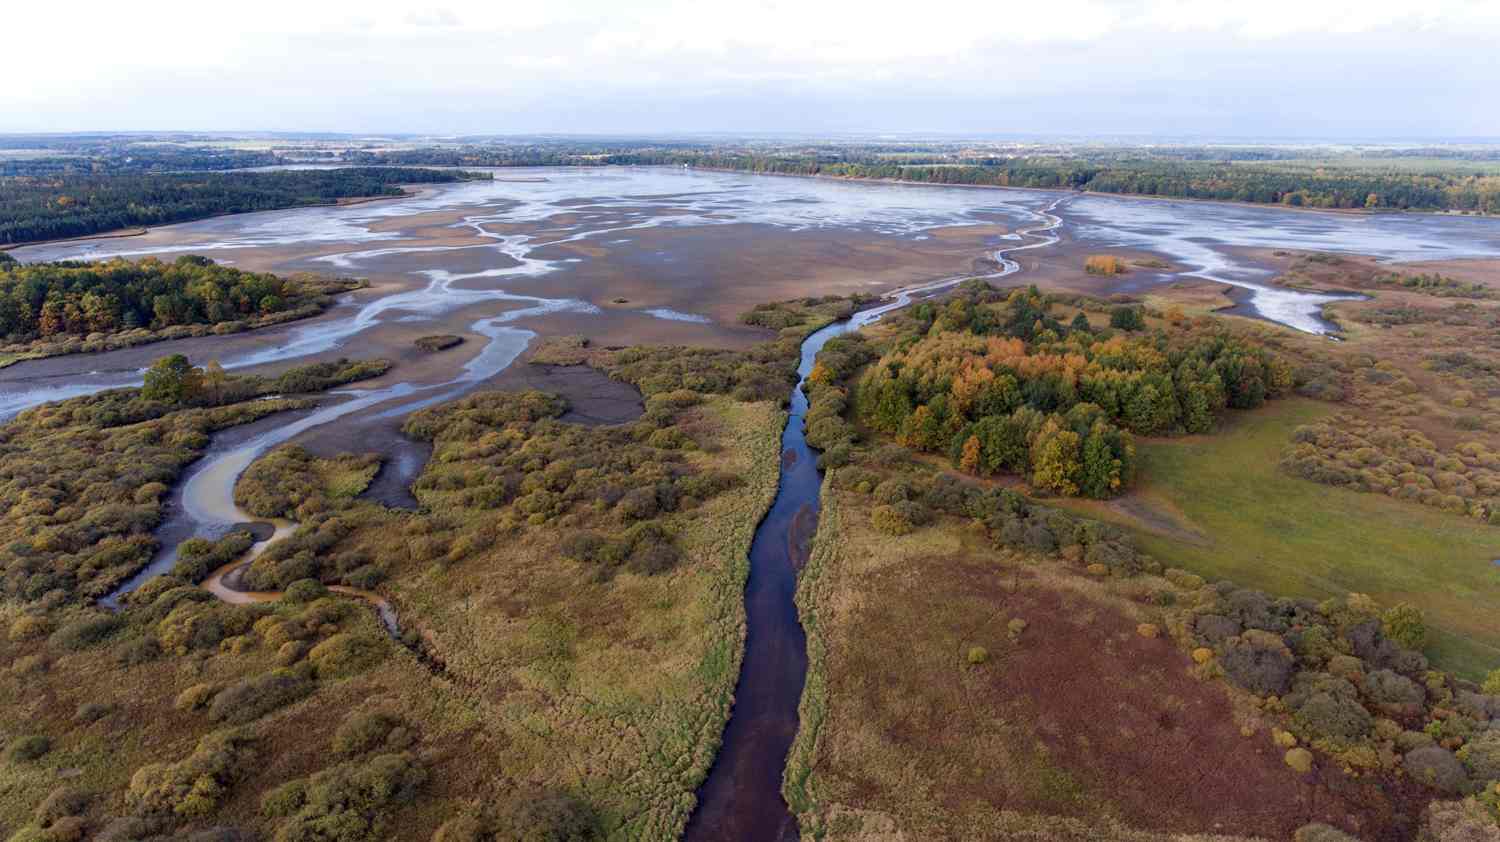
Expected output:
(1251, 68)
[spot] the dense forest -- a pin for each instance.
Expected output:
(1002, 386)
(45, 300)
(1345, 187)
(34, 208)
(1422, 179)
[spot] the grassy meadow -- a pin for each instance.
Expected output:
(1260, 527)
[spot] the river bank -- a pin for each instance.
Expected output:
(742, 796)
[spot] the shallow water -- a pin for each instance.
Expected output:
(606, 205)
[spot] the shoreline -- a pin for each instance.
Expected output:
(1077, 192)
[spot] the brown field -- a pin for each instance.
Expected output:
(1076, 719)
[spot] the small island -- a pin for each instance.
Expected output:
(438, 342)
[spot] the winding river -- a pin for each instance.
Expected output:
(741, 798)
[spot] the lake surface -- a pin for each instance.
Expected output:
(463, 247)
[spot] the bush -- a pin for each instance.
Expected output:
(138, 651)
(345, 654)
(1328, 713)
(978, 655)
(90, 712)
(347, 803)
(85, 632)
(28, 627)
(195, 697)
(193, 786)
(251, 698)
(1259, 662)
(60, 803)
(1406, 625)
(304, 591)
(1105, 264)
(1437, 768)
(361, 732)
(439, 342)
(1321, 833)
(1481, 756)
(890, 520)
(1492, 683)
(198, 557)
(28, 748)
(1385, 687)
(1126, 318)
(284, 800)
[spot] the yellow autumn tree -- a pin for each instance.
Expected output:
(1056, 459)
(969, 461)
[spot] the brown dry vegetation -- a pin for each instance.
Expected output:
(1011, 677)
(1075, 710)
(542, 684)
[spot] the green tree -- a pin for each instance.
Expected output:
(172, 380)
(1126, 318)
(1056, 464)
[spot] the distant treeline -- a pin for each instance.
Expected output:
(1424, 179)
(1261, 183)
(156, 159)
(35, 208)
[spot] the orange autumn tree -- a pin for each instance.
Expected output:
(1002, 385)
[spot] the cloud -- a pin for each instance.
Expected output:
(387, 64)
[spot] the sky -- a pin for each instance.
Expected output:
(1325, 69)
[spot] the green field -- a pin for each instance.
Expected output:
(1292, 537)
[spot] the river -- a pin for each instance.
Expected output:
(741, 799)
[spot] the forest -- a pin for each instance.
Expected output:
(71, 298)
(1370, 187)
(36, 207)
(1395, 179)
(1010, 389)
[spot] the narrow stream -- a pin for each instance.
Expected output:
(741, 799)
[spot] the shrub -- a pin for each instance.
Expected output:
(1258, 662)
(439, 342)
(890, 520)
(60, 803)
(195, 697)
(1105, 264)
(89, 712)
(1406, 625)
(1437, 768)
(284, 800)
(978, 655)
(193, 786)
(1126, 318)
(28, 627)
(347, 802)
(361, 732)
(305, 590)
(198, 557)
(1321, 833)
(543, 816)
(1385, 687)
(85, 632)
(1481, 756)
(1332, 714)
(28, 748)
(251, 698)
(138, 651)
(1492, 683)
(345, 654)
